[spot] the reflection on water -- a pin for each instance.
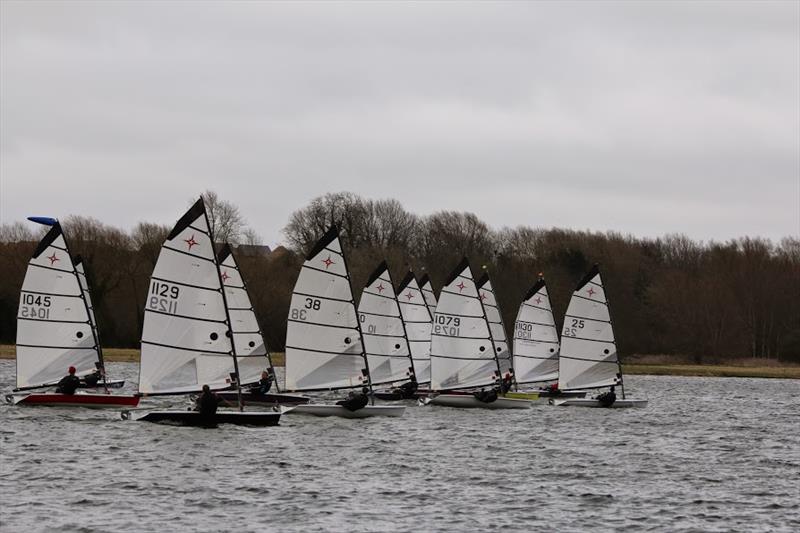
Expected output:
(710, 454)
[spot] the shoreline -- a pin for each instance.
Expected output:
(131, 355)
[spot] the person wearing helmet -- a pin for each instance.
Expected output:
(607, 399)
(262, 386)
(69, 383)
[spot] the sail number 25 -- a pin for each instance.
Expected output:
(571, 330)
(164, 298)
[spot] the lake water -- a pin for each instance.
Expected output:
(707, 454)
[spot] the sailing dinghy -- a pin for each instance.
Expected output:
(536, 345)
(248, 341)
(463, 354)
(187, 338)
(418, 322)
(324, 346)
(55, 330)
(588, 358)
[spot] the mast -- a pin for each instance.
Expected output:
(611, 323)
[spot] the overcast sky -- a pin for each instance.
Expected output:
(642, 117)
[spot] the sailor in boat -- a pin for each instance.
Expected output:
(69, 383)
(608, 398)
(506, 383)
(408, 389)
(91, 380)
(263, 385)
(355, 400)
(486, 396)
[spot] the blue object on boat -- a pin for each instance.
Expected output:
(47, 221)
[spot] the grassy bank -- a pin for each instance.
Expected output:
(749, 370)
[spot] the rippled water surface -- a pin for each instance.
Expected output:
(707, 454)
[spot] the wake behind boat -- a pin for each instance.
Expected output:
(56, 331)
(588, 358)
(324, 346)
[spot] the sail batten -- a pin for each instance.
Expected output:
(496, 325)
(536, 344)
(588, 356)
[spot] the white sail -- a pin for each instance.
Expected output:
(385, 343)
(87, 294)
(588, 357)
(54, 330)
(495, 319)
(186, 338)
(427, 293)
(251, 352)
(462, 355)
(418, 321)
(324, 348)
(536, 338)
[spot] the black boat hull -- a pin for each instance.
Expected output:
(195, 419)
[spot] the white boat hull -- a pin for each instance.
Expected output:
(591, 402)
(468, 401)
(338, 410)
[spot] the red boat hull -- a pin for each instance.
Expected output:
(74, 400)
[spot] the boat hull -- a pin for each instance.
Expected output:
(468, 401)
(83, 399)
(264, 399)
(195, 419)
(338, 410)
(591, 402)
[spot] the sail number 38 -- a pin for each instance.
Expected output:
(302, 314)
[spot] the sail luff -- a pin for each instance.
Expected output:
(495, 348)
(227, 318)
(83, 280)
(417, 323)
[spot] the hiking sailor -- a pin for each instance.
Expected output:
(355, 400)
(70, 383)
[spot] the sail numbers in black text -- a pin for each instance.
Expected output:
(164, 297)
(446, 325)
(34, 306)
(302, 313)
(571, 327)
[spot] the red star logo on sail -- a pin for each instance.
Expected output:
(380, 287)
(538, 300)
(591, 291)
(190, 241)
(53, 259)
(225, 276)
(409, 295)
(461, 286)
(483, 296)
(328, 262)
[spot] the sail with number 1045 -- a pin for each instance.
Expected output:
(54, 325)
(324, 348)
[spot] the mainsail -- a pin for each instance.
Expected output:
(536, 338)
(588, 356)
(248, 341)
(186, 339)
(427, 293)
(498, 329)
(385, 342)
(80, 269)
(418, 322)
(324, 349)
(54, 329)
(462, 354)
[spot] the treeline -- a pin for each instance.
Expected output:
(671, 296)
